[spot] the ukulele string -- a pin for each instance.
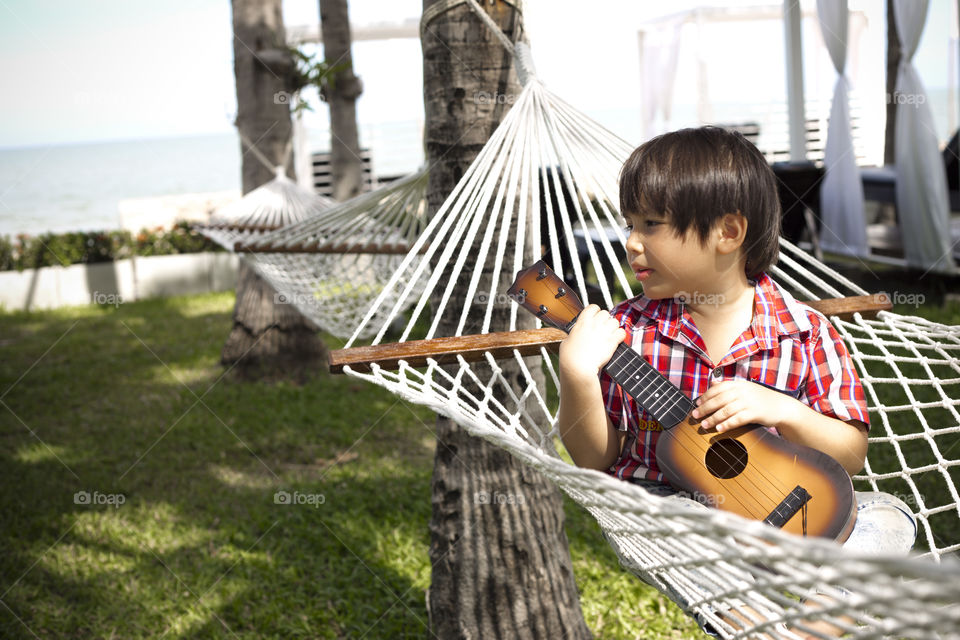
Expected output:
(774, 503)
(767, 476)
(762, 482)
(743, 492)
(760, 488)
(761, 478)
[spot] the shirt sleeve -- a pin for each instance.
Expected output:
(833, 387)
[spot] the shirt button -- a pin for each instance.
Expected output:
(718, 373)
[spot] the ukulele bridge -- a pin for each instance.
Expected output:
(788, 507)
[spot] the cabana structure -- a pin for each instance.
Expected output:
(833, 140)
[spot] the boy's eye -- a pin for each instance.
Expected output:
(646, 224)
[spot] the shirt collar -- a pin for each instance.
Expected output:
(667, 313)
(776, 313)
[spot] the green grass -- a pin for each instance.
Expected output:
(129, 403)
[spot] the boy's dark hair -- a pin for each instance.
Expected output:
(695, 176)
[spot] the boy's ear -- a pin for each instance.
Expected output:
(732, 231)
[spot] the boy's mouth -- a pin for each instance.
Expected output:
(643, 274)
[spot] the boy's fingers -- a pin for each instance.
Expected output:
(736, 419)
(715, 406)
(713, 393)
(705, 407)
(591, 311)
(718, 419)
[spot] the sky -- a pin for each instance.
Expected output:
(91, 70)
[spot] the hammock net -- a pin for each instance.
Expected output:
(277, 203)
(547, 179)
(332, 265)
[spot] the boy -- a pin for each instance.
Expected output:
(703, 217)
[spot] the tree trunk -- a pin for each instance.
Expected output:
(262, 71)
(893, 66)
(346, 165)
(500, 561)
(270, 338)
(267, 337)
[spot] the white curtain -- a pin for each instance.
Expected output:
(660, 50)
(841, 193)
(922, 202)
(302, 160)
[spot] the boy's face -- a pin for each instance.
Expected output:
(666, 264)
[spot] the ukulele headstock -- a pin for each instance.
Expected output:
(541, 292)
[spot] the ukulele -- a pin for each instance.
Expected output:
(748, 470)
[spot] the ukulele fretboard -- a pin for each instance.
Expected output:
(648, 387)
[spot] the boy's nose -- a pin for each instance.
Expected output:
(633, 244)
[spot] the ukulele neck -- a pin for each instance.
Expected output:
(655, 393)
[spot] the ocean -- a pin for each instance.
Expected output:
(78, 187)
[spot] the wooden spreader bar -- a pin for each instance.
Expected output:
(339, 248)
(528, 342)
(265, 228)
(444, 350)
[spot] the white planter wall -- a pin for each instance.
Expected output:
(120, 281)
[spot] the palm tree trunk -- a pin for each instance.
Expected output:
(501, 564)
(268, 336)
(346, 166)
(262, 69)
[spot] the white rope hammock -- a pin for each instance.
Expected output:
(332, 265)
(277, 203)
(910, 370)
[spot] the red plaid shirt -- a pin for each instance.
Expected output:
(788, 347)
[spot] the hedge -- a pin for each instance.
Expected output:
(87, 247)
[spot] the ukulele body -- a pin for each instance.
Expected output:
(759, 475)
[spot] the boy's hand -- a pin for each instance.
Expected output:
(591, 342)
(733, 403)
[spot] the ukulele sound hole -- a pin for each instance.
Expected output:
(726, 458)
